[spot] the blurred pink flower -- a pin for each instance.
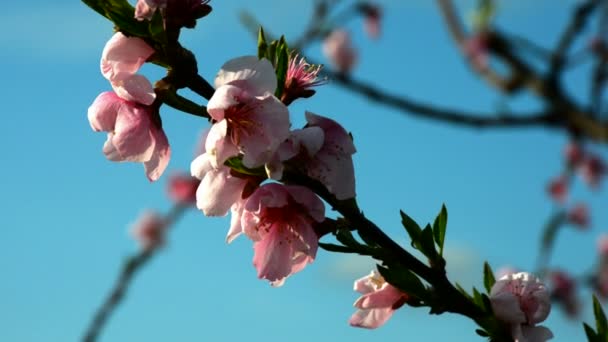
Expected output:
(372, 15)
(338, 48)
(149, 230)
(593, 169)
(563, 290)
(144, 9)
(120, 60)
(182, 188)
(579, 216)
(574, 154)
(248, 118)
(133, 133)
(602, 245)
(475, 49)
(279, 219)
(558, 189)
(521, 301)
(378, 303)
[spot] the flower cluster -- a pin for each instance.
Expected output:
(128, 113)
(521, 301)
(251, 127)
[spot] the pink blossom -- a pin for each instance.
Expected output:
(300, 78)
(323, 149)
(579, 216)
(521, 301)
(338, 48)
(592, 170)
(476, 50)
(378, 303)
(134, 133)
(558, 189)
(144, 9)
(574, 154)
(249, 119)
(279, 219)
(120, 60)
(182, 188)
(372, 14)
(564, 291)
(149, 230)
(219, 188)
(602, 245)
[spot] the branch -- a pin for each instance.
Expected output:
(577, 23)
(426, 111)
(130, 267)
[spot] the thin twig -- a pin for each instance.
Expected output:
(130, 267)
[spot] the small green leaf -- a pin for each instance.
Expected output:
(463, 291)
(412, 228)
(488, 277)
(330, 247)
(591, 335)
(346, 237)
(404, 280)
(439, 227)
(600, 318)
(482, 333)
(281, 66)
(427, 244)
(262, 45)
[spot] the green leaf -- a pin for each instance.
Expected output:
(463, 291)
(488, 277)
(236, 163)
(330, 247)
(600, 318)
(439, 227)
(262, 45)
(427, 244)
(346, 237)
(412, 228)
(482, 333)
(591, 335)
(404, 280)
(281, 66)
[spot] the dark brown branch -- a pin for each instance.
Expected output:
(455, 302)
(576, 25)
(446, 115)
(130, 267)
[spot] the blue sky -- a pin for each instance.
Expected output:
(66, 209)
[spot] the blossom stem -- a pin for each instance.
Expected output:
(130, 267)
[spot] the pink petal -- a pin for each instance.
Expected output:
(218, 192)
(272, 117)
(311, 138)
(132, 138)
(102, 113)
(123, 56)
(135, 88)
(248, 72)
(235, 221)
(225, 97)
(371, 319)
(110, 151)
(506, 307)
(271, 195)
(218, 146)
(364, 285)
(272, 256)
(159, 160)
(385, 297)
(200, 166)
(309, 200)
